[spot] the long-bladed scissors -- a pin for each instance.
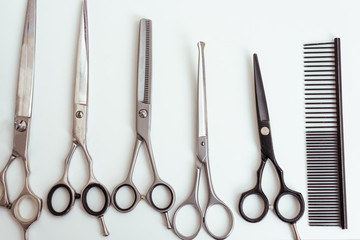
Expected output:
(267, 153)
(143, 116)
(23, 111)
(79, 135)
(203, 162)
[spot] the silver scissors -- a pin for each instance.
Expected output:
(203, 162)
(267, 153)
(22, 124)
(143, 125)
(79, 135)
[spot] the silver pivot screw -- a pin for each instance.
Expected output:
(79, 114)
(20, 125)
(143, 113)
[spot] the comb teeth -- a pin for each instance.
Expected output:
(324, 140)
(148, 61)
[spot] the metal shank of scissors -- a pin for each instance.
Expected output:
(203, 163)
(22, 124)
(267, 153)
(143, 121)
(79, 137)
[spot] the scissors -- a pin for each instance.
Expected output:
(79, 135)
(267, 153)
(202, 162)
(143, 125)
(23, 111)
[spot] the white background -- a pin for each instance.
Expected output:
(233, 31)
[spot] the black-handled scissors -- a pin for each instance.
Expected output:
(143, 126)
(267, 153)
(79, 136)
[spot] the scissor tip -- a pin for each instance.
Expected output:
(201, 44)
(145, 20)
(256, 61)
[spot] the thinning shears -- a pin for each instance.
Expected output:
(79, 135)
(143, 125)
(267, 153)
(203, 162)
(23, 111)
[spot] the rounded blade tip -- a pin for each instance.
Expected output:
(201, 44)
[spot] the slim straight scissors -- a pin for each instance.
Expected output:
(79, 135)
(22, 124)
(203, 162)
(267, 153)
(143, 115)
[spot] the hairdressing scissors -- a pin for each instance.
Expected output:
(143, 115)
(267, 153)
(203, 162)
(79, 135)
(22, 125)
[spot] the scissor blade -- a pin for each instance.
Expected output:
(144, 62)
(202, 109)
(261, 106)
(27, 63)
(82, 66)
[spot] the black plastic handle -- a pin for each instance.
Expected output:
(298, 196)
(106, 199)
(255, 191)
(135, 197)
(169, 189)
(51, 194)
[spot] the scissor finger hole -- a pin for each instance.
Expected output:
(60, 199)
(218, 221)
(95, 199)
(125, 197)
(26, 208)
(253, 206)
(188, 220)
(162, 197)
(288, 206)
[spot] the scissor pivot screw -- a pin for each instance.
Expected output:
(265, 131)
(20, 125)
(202, 143)
(79, 114)
(143, 113)
(142, 197)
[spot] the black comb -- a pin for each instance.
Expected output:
(324, 135)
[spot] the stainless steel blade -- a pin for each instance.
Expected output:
(27, 64)
(202, 108)
(82, 67)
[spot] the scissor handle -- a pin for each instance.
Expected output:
(149, 196)
(84, 198)
(72, 197)
(213, 202)
(192, 202)
(258, 192)
(298, 196)
(25, 222)
(135, 192)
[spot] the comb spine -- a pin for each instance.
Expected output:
(340, 133)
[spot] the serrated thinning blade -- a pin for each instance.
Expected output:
(27, 63)
(82, 67)
(144, 62)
